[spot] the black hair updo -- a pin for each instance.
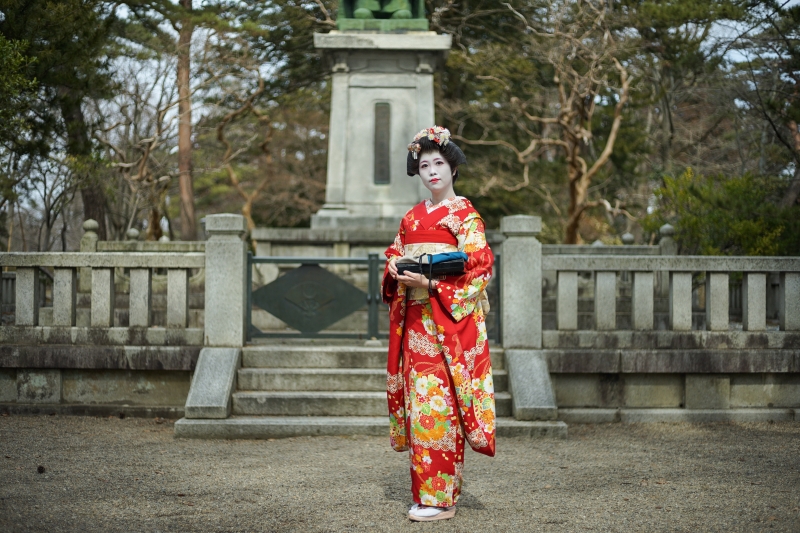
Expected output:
(452, 154)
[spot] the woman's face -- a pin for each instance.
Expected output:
(435, 172)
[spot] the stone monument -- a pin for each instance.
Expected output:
(382, 60)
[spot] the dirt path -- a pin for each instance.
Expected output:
(133, 475)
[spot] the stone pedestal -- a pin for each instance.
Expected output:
(382, 96)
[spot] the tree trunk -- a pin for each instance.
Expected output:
(94, 207)
(577, 195)
(93, 194)
(188, 226)
(10, 220)
(154, 231)
(793, 192)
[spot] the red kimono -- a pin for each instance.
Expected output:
(439, 376)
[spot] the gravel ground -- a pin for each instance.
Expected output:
(133, 475)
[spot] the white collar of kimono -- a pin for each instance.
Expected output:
(430, 207)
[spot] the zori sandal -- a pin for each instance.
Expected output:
(423, 513)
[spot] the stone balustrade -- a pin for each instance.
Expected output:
(54, 362)
(630, 364)
(679, 270)
(96, 351)
(100, 268)
(571, 349)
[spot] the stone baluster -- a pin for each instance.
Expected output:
(680, 301)
(521, 282)
(226, 280)
(102, 297)
(65, 286)
(141, 297)
(177, 298)
(132, 234)
(789, 305)
(27, 297)
(88, 245)
(754, 304)
(717, 301)
(605, 300)
(642, 301)
(567, 301)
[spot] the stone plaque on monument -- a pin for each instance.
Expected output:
(382, 61)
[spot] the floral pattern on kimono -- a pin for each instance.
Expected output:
(439, 378)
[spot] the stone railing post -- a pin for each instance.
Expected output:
(214, 380)
(531, 389)
(88, 245)
(226, 264)
(521, 282)
(667, 246)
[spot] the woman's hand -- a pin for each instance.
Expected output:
(411, 279)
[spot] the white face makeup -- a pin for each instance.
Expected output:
(436, 174)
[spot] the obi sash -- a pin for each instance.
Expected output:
(427, 242)
(438, 236)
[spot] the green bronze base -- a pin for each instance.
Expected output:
(384, 25)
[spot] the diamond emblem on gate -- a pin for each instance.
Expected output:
(309, 298)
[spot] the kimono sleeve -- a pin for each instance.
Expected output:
(461, 295)
(389, 285)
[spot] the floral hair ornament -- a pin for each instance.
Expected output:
(436, 138)
(437, 134)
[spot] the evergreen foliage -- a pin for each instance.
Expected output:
(15, 88)
(725, 216)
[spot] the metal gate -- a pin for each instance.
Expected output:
(310, 298)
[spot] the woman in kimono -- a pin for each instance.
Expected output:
(439, 377)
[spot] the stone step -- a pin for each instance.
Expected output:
(327, 379)
(275, 427)
(303, 356)
(312, 379)
(326, 403)
(327, 356)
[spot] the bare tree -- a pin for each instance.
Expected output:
(239, 102)
(42, 198)
(272, 139)
(576, 40)
(137, 128)
(54, 184)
